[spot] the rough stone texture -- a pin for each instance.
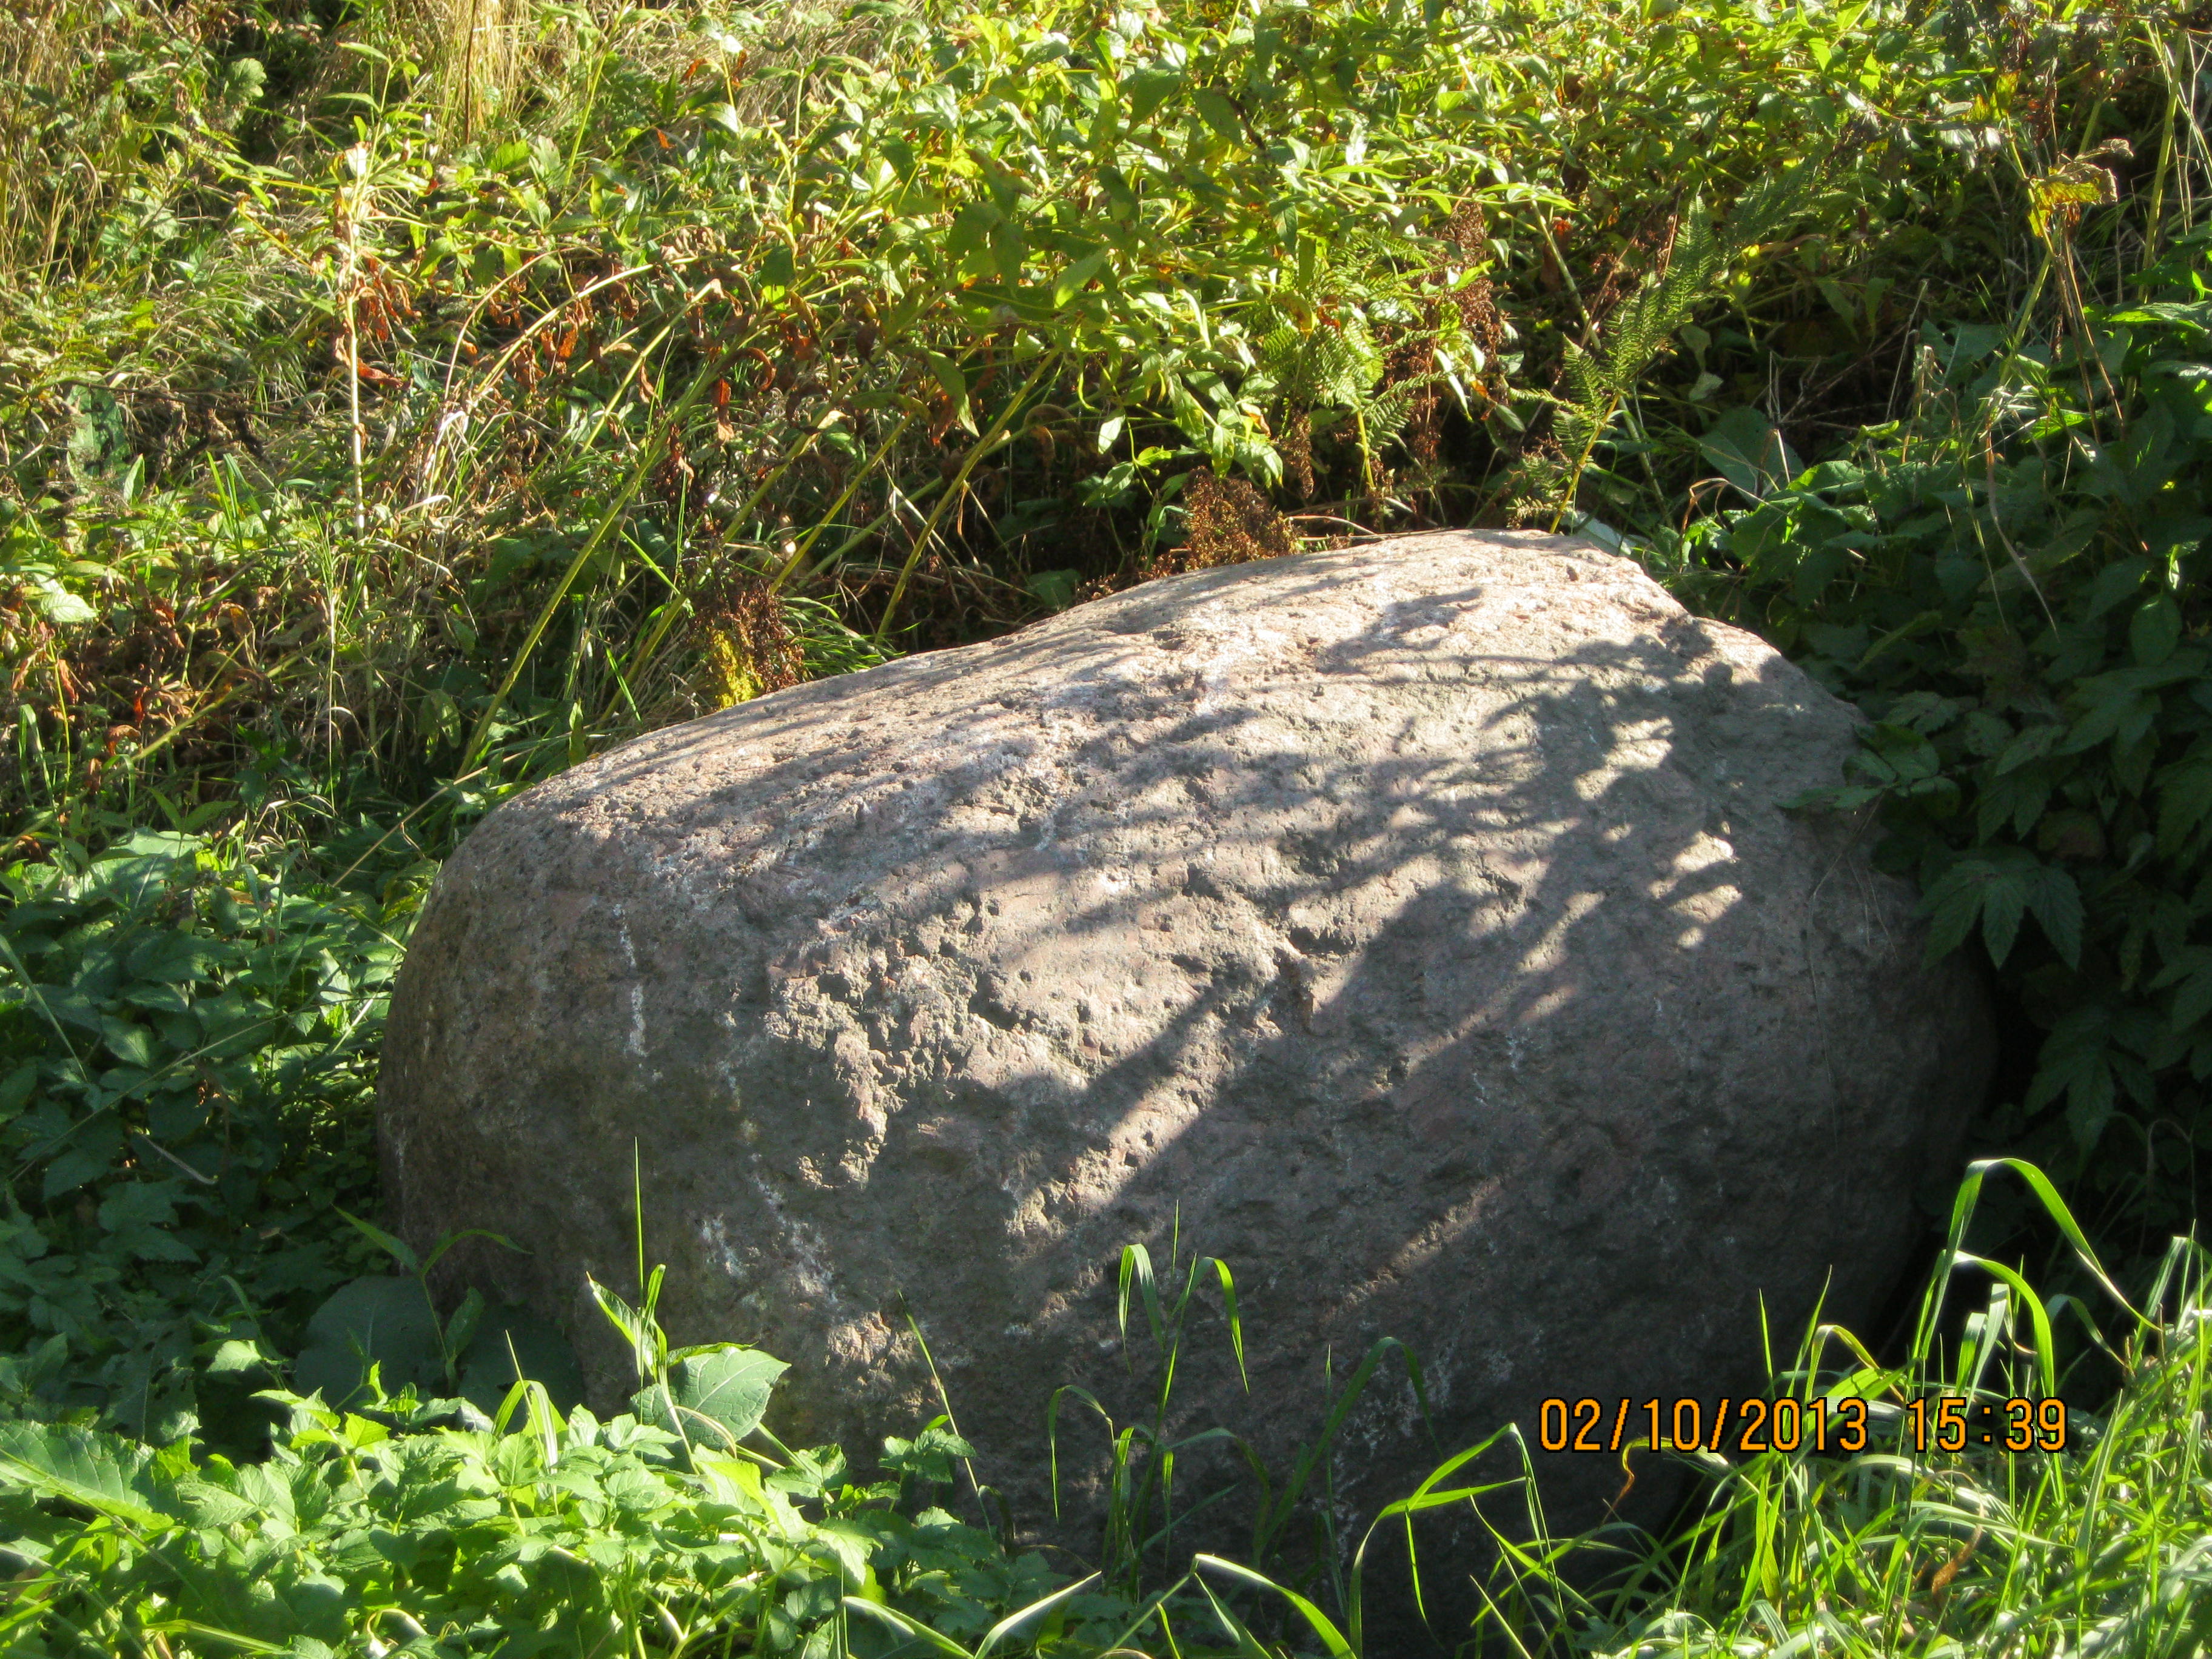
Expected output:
(1419, 923)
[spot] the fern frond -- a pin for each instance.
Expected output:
(1597, 383)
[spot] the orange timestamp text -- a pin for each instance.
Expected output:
(1941, 1423)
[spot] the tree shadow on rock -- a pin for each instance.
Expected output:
(1457, 977)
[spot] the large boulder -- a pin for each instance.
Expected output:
(1418, 928)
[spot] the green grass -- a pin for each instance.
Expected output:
(2104, 1547)
(425, 449)
(681, 1528)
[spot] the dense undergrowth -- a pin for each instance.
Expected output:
(416, 1526)
(402, 399)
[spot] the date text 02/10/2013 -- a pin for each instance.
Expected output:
(1942, 1423)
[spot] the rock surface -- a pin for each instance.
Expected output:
(1414, 927)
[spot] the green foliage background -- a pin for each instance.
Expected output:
(2014, 586)
(402, 399)
(189, 1068)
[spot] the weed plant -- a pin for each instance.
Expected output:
(682, 1528)
(427, 402)
(186, 1076)
(402, 400)
(2013, 584)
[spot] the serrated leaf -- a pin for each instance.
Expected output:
(1952, 906)
(2055, 902)
(727, 1386)
(2118, 713)
(929, 1454)
(103, 1471)
(235, 1357)
(141, 1214)
(15, 1090)
(2185, 804)
(2190, 971)
(2089, 1100)
(92, 1156)
(1908, 754)
(2032, 744)
(2003, 903)
(1998, 889)
(2018, 798)
(60, 606)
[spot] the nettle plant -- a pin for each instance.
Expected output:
(186, 1053)
(2013, 582)
(394, 1530)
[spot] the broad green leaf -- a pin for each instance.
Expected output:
(2116, 583)
(1072, 280)
(2184, 802)
(2154, 631)
(237, 1357)
(955, 383)
(2055, 902)
(1054, 589)
(90, 1152)
(104, 1471)
(1009, 247)
(726, 1386)
(2116, 712)
(1147, 89)
(2190, 977)
(929, 1456)
(142, 1216)
(778, 269)
(1748, 453)
(1218, 113)
(174, 957)
(132, 1043)
(60, 606)
(381, 1320)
